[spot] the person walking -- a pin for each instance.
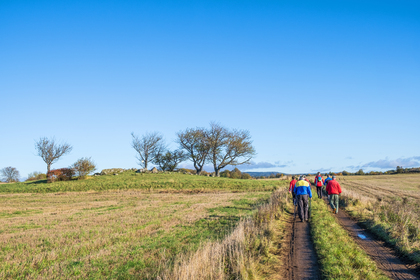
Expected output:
(326, 183)
(318, 183)
(334, 190)
(302, 190)
(291, 188)
(327, 180)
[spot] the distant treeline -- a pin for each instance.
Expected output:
(398, 170)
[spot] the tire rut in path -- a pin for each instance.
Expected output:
(385, 258)
(301, 261)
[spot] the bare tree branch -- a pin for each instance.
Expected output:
(147, 147)
(50, 151)
(194, 142)
(229, 147)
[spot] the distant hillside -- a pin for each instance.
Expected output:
(266, 174)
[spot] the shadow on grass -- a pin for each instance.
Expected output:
(37, 182)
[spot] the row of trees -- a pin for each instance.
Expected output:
(51, 151)
(216, 145)
(361, 172)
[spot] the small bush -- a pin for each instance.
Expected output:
(235, 174)
(186, 170)
(246, 176)
(63, 174)
(83, 167)
(225, 173)
(36, 176)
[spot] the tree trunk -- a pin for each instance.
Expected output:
(198, 170)
(216, 171)
(48, 168)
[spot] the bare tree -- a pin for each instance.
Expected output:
(168, 160)
(229, 147)
(147, 147)
(194, 142)
(50, 151)
(10, 174)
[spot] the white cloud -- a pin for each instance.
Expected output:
(392, 164)
(264, 164)
(322, 170)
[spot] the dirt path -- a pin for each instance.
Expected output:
(301, 260)
(385, 258)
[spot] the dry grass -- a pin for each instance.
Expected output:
(389, 205)
(239, 255)
(101, 234)
(384, 186)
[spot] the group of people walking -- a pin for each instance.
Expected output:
(301, 191)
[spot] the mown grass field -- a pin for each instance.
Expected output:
(389, 206)
(128, 226)
(384, 186)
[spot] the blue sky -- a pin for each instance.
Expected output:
(320, 85)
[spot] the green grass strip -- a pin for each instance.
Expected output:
(150, 182)
(339, 256)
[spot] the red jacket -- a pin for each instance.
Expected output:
(292, 185)
(333, 187)
(318, 184)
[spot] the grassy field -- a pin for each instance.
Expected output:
(389, 206)
(131, 232)
(161, 182)
(384, 186)
(250, 251)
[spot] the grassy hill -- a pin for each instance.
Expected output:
(127, 226)
(165, 182)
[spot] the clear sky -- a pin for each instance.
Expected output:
(320, 85)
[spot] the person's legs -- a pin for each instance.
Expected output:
(330, 198)
(319, 191)
(300, 206)
(305, 207)
(336, 202)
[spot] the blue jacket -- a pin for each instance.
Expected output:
(326, 180)
(302, 187)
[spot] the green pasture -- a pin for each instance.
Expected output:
(128, 226)
(164, 182)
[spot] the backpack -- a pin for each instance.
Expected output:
(319, 183)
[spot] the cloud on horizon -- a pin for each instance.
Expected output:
(322, 170)
(244, 167)
(388, 164)
(264, 164)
